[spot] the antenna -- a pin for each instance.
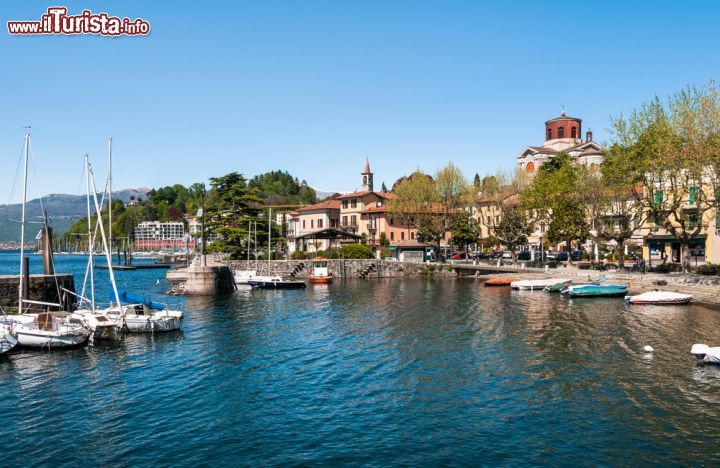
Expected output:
(563, 110)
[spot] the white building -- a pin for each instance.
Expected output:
(154, 235)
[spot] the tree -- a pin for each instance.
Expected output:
(230, 206)
(666, 152)
(453, 194)
(477, 183)
(464, 230)
(513, 228)
(384, 189)
(355, 251)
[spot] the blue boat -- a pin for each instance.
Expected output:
(597, 290)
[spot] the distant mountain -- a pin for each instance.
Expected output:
(63, 211)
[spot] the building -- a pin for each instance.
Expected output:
(154, 235)
(352, 206)
(562, 135)
(310, 220)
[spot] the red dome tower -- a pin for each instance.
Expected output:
(563, 127)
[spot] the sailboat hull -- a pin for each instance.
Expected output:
(34, 338)
(156, 323)
(7, 342)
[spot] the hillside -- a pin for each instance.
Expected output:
(63, 211)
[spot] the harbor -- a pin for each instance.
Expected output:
(291, 375)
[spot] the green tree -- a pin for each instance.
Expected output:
(355, 251)
(230, 206)
(465, 230)
(513, 228)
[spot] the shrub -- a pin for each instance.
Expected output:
(356, 251)
(708, 269)
(385, 252)
(297, 255)
(668, 268)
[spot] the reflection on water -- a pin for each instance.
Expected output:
(375, 372)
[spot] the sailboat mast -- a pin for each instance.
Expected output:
(110, 238)
(108, 257)
(22, 223)
(269, 234)
(91, 238)
(248, 244)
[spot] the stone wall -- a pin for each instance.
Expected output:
(42, 288)
(343, 268)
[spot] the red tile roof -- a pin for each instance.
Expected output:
(332, 204)
(359, 194)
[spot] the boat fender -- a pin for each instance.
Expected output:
(648, 349)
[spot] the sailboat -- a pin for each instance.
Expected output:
(101, 325)
(46, 329)
(8, 340)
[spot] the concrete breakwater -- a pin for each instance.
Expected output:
(43, 288)
(344, 268)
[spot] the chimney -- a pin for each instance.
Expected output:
(588, 136)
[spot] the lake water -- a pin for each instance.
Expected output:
(418, 372)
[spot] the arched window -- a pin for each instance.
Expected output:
(573, 132)
(561, 132)
(530, 167)
(549, 136)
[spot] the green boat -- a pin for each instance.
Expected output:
(595, 290)
(557, 287)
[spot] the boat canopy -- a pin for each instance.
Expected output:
(129, 298)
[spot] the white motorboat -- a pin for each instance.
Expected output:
(539, 284)
(706, 354)
(659, 297)
(50, 330)
(102, 327)
(246, 276)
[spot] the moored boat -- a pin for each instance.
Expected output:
(659, 297)
(499, 282)
(706, 354)
(539, 284)
(143, 316)
(596, 290)
(277, 283)
(51, 330)
(320, 271)
(558, 287)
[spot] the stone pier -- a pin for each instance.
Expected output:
(204, 278)
(43, 288)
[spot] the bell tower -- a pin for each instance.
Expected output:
(367, 178)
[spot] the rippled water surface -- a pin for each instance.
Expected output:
(372, 372)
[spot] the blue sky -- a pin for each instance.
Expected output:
(315, 86)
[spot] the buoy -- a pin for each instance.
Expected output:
(648, 349)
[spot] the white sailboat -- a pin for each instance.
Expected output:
(48, 329)
(101, 325)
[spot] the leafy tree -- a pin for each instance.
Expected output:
(279, 188)
(384, 189)
(513, 228)
(465, 230)
(666, 154)
(229, 208)
(477, 183)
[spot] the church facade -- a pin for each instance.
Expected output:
(562, 135)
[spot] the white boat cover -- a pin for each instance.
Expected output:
(659, 297)
(706, 354)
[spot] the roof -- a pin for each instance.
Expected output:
(367, 166)
(409, 243)
(563, 117)
(332, 204)
(358, 194)
(329, 233)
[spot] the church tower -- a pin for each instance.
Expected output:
(367, 178)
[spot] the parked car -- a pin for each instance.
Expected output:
(525, 255)
(459, 256)
(507, 255)
(697, 252)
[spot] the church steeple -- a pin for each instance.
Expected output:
(367, 178)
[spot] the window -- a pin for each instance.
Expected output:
(694, 194)
(353, 220)
(692, 220)
(303, 224)
(312, 223)
(549, 134)
(412, 235)
(392, 236)
(392, 221)
(402, 236)
(659, 198)
(353, 203)
(320, 223)
(530, 167)
(344, 221)
(561, 132)
(345, 204)
(573, 132)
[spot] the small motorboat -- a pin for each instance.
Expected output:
(243, 277)
(320, 272)
(499, 282)
(558, 287)
(277, 283)
(706, 354)
(660, 297)
(102, 326)
(540, 284)
(596, 290)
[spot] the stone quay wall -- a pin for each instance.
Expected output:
(43, 288)
(348, 268)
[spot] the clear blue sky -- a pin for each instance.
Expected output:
(314, 86)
